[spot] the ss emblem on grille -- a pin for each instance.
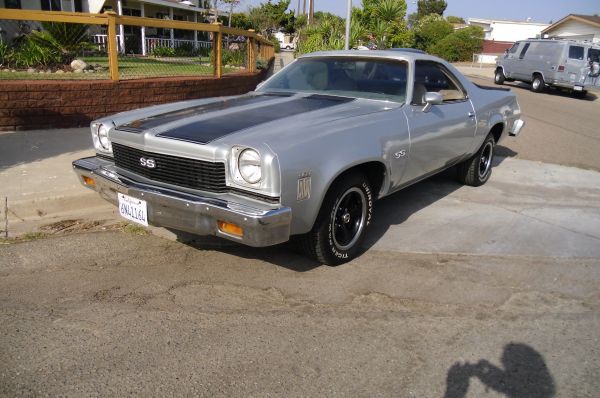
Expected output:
(149, 163)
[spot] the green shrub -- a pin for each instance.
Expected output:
(204, 52)
(261, 63)
(185, 50)
(460, 45)
(30, 54)
(232, 57)
(163, 51)
(65, 40)
(5, 54)
(276, 44)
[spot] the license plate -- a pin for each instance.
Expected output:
(133, 209)
(578, 88)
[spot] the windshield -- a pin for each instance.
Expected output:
(351, 76)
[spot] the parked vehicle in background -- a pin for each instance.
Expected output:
(286, 41)
(560, 63)
(306, 154)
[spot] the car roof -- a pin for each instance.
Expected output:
(399, 54)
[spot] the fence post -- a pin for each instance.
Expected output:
(113, 61)
(251, 52)
(217, 48)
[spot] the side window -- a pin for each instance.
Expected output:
(431, 76)
(576, 52)
(594, 55)
(514, 48)
(523, 51)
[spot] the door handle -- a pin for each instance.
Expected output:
(471, 114)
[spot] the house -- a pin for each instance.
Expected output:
(139, 40)
(501, 34)
(575, 27)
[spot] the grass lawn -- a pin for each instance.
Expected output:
(131, 68)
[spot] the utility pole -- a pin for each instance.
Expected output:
(311, 15)
(304, 8)
(298, 9)
(348, 16)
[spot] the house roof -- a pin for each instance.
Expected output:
(507, 21)
(587, 19)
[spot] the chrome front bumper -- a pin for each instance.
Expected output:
(186, 212)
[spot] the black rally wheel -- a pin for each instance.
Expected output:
(342, 222)
(476, 170)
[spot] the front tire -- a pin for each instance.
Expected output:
(499, 77)
(342, 223)
(476, 170)
(538, 84)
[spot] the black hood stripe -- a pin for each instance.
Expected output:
(205, 131)
(137, 126)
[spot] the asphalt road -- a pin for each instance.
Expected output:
(559, 128)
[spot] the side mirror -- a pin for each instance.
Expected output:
(432, 98)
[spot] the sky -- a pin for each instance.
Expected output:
(542, 11)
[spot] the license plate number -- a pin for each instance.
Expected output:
(133, 209)
(578, 88)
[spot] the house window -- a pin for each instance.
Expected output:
(12, 4)
(51, 5)
(78, 6)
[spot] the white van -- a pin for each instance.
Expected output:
(548, 62)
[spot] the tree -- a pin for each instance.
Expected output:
(232, 4)
(431, 29)
(241, 20)
(269, 17)
(460, 45)
(426, 7)
(453, 19)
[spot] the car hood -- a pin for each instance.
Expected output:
(255, 114)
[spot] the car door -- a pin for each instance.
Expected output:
(444, 134)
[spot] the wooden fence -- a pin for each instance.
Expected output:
(256, 44)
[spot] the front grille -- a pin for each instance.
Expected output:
(183, 172)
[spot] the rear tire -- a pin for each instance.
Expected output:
(499, 77)
(476, 170)
(342, 223)
(538, 84)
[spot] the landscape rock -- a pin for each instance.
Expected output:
(60, 71)
(78, 71)
(78, 64)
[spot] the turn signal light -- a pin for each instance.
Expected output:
(230, 228)
(89, 181)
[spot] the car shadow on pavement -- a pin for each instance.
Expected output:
(591, 96)
(28, 146)
(523, 374)
(391, 210)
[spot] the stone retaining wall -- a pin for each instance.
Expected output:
(41, 104)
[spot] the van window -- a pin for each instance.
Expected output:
(576, 52)
(523, 51)
(594, 54)
(514, 48)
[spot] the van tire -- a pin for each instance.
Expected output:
(538, 84)
(499, 77)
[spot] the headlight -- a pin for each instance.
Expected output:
(249, 166)
(100, 137)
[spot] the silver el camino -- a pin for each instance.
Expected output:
(306, 154)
